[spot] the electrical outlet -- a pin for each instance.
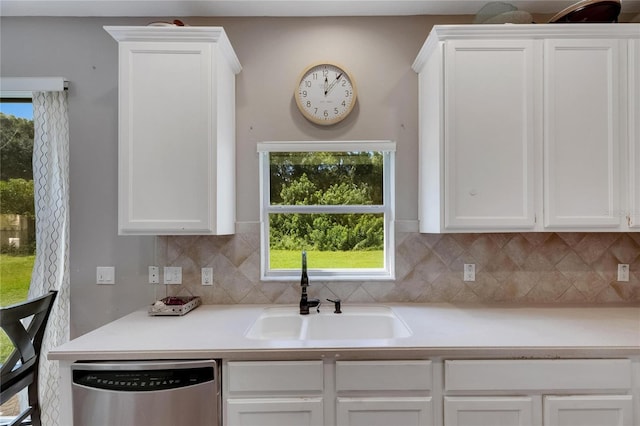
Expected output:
(154, 275)
(173, 275)
(623, 272)
(207, 276)
(469, 272)
(105, 275)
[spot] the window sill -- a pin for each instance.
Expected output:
(329, 276)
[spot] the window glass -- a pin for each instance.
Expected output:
(334, 204)
(326, 178)
(332, 241)
(17, 215)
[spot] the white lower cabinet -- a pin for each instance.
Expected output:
(380, 411)
(506, 392)
(329, 393)
(585, 392)
(275, 412)
(383, 393)
(588, 410)
(573, 410)
(488, 411)
(273, 393)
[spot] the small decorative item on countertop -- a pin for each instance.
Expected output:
(174, 305)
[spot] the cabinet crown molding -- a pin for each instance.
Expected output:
(441, 33)
(215, 35)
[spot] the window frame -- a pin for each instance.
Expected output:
(388, 149)
(21, 97)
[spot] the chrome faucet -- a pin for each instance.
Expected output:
(306, 303)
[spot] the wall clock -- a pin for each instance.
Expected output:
(326, 93)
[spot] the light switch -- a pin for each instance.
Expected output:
(173, 275)
(105, 275)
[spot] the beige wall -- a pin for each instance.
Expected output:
(378, 51)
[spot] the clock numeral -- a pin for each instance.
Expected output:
(307, 83)
(335, 111)
(315, 75)
(344, 103)
(304, 93)
(326, 113)
(347, 93)
(315, 111)
(308, 104)
(344, 83)
(325, 73)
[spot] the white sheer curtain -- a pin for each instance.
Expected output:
(51, 268)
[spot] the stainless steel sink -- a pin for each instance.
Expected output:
(355, 323)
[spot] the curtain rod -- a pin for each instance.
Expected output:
(33, 84)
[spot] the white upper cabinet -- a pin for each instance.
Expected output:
(488, 150)
(582, 133)
(634, 133)
(524, 128)
(176, 130)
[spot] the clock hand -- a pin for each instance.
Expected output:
(326, 84)
(333, 84)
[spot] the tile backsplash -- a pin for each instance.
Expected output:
(510, 268)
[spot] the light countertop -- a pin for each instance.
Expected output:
(217, 331)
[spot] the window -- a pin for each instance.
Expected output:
(17, 215)
(50, 160)
(335, 200)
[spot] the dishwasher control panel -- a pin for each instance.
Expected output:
(143, 380)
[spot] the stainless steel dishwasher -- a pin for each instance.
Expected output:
(157, 393)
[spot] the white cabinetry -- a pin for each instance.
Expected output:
(634, 133)
(488, 411)
(523, 128)
(275, 412)
(582, 133)
(588, 410)
(382, 393)
(533, 392)
(477, 136)
(276, 393)
(176, 130)
(343, 393)
(380, 411)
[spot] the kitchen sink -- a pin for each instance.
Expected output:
(354, 323)
(277, 323)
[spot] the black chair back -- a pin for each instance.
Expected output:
(20, 370)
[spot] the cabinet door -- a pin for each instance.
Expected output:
(583, 80)
(489, 134)
(488, 411)
(165, 155)
(405, 411)
(588, 410)
(274, 412)
(634, 134)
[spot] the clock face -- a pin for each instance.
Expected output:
(326, 94)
